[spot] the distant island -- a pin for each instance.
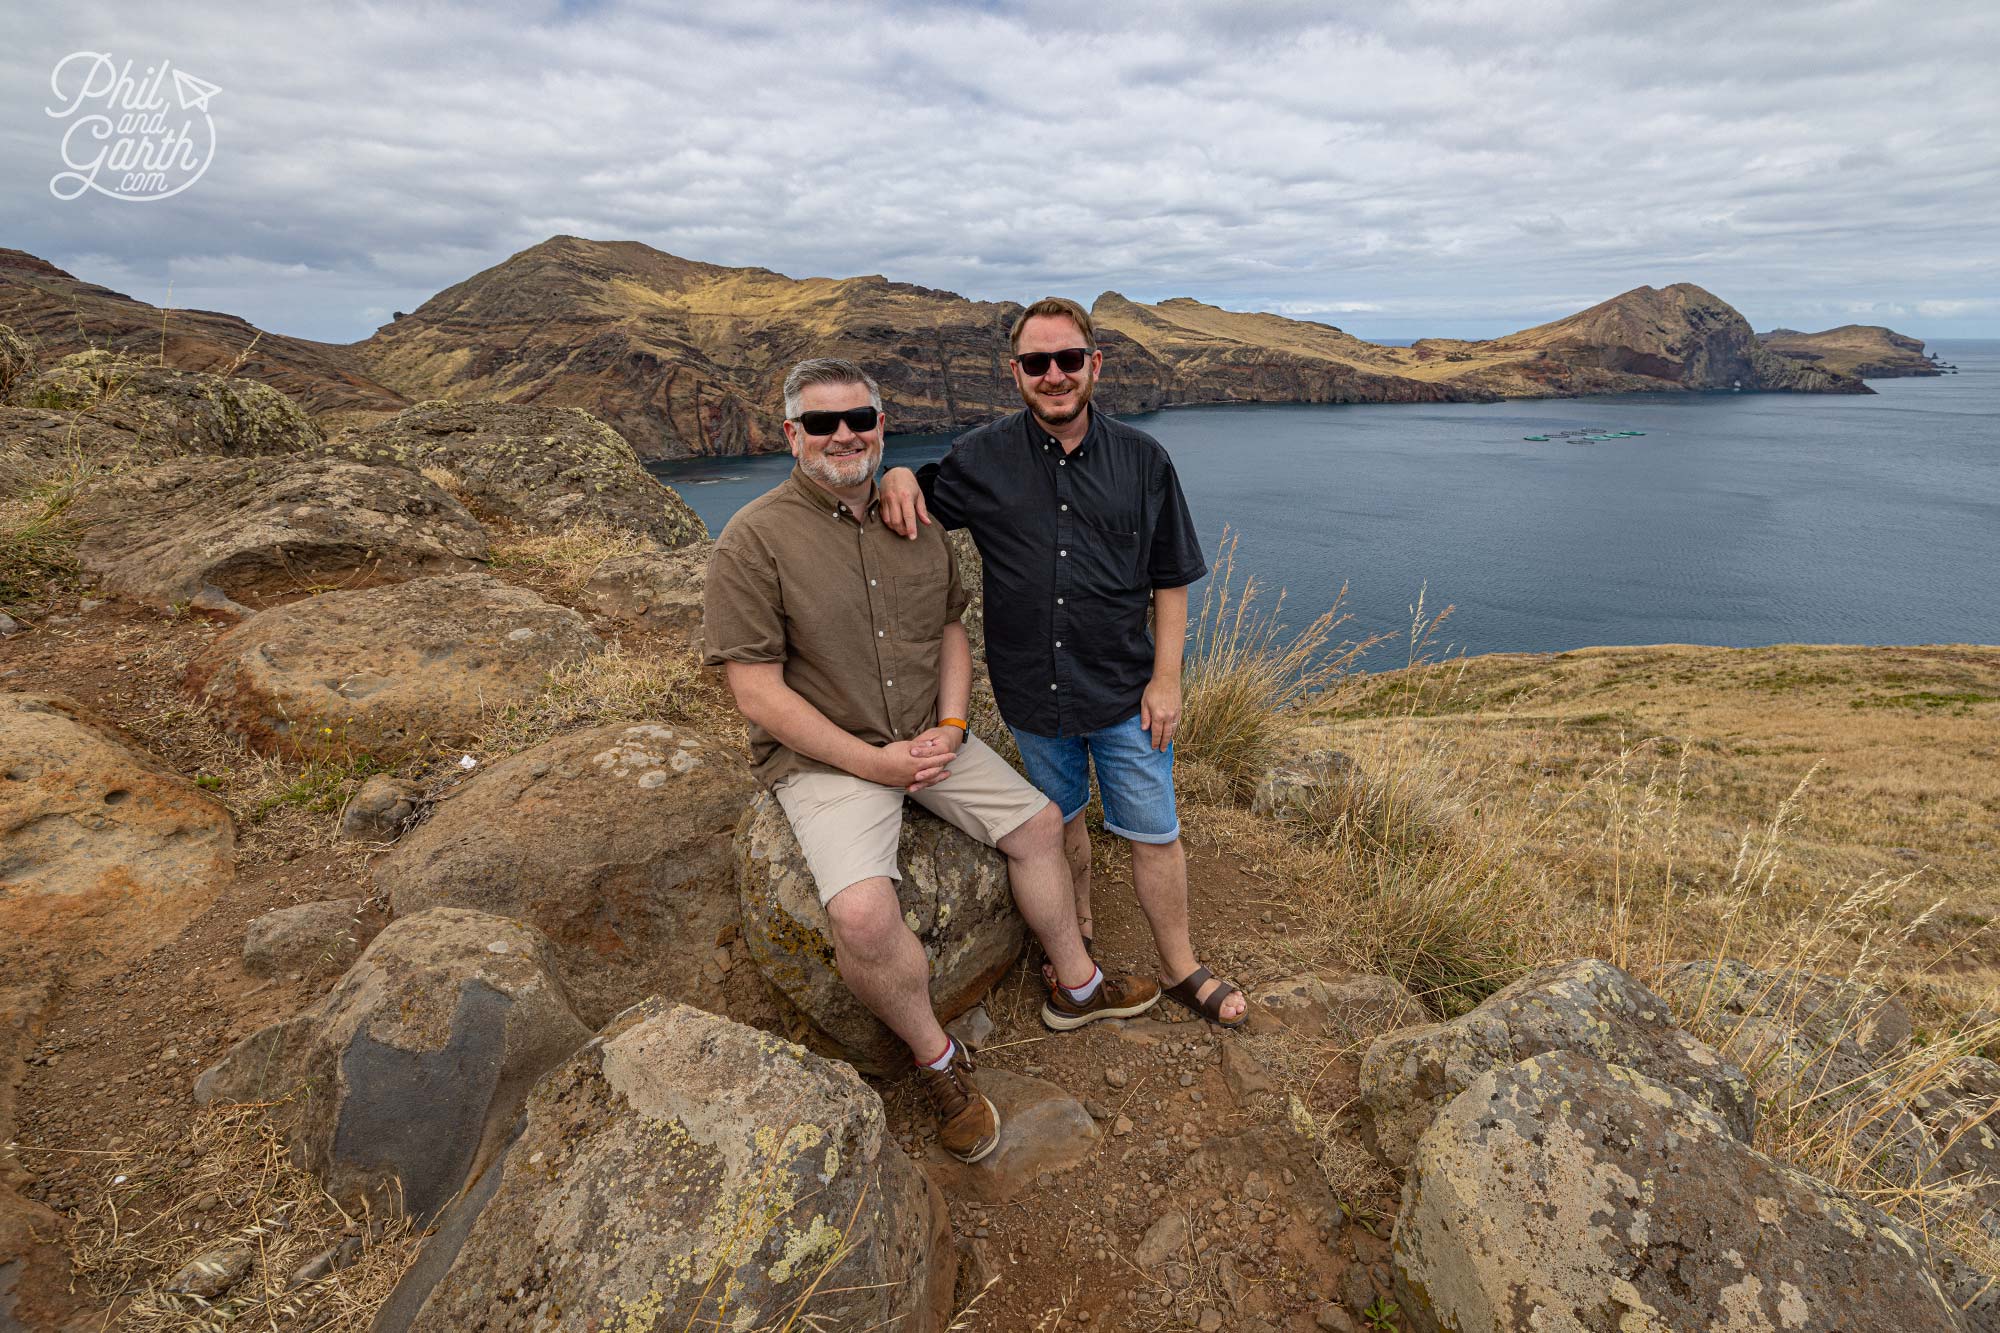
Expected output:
(684, 358)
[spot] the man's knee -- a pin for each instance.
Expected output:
(1041, 832)
(865, 917)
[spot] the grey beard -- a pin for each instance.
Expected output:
(829, 474)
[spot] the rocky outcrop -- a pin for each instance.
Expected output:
(102, 847)
(614, 842)
(1299, 784)
(683, 1171)
(384, 671)
(1585, 1006)
(955, 896)
(1860, 1020)
(539, 467)
(258, 530)
(169, 412)
(1866, 351)
(1565, 1193)
(655, 590)
(413, 1068)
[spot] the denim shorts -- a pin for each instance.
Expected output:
(1135, 780)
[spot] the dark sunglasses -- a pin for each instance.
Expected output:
(1069, 360)
(860, 420)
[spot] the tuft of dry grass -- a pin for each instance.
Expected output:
(612, 686)
(570, 556)
(38, 527)
(241, 1194)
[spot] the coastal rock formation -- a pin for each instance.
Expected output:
(539, 467)
(1867, 351)
(954, 893)
(683, 1171)
(614, 842)
(1561, 1192)
(383, 671)
(1586, 1006)
(415, 1065)
(57, 314)
(258, 530)
(102, 847)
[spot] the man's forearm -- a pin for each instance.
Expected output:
(954, 673)
(1169, 631)
(767, 700)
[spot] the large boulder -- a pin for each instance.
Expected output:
(165, 412)
(384, 671)
(1855, 1018)
(258, 530)
(683, 1171)
(1587, 1006)
(545, 468)
(405, 1078)
(101, 846)
(955, 895)
(657, 590)
(1563, 1193)
(615, 842)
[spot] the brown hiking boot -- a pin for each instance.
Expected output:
(1117, 997)
(968, 1124)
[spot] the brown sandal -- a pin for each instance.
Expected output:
(1184, 991)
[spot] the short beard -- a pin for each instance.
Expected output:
(1078, 401)
(834, 477)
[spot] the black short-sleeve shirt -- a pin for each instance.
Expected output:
(1074, 545)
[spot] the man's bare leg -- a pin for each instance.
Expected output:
(1042, 891)
(1159, 876)
(884, 965)
(1076, 850)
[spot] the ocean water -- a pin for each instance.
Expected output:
(1736, 519)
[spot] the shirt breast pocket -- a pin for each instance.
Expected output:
(920, 605)
(1110, 559)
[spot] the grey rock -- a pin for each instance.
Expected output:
(9, 626)
(1043, 1130)
(1581, 1195)
(680, 1164)
(416, 1063)
(972, 1027)
(1831, 1013)
(954, 892)
(213, 1272)
(1587, 1005)
(382, 809)
(160, 412)
(1163, 1242)
(1350, 1010)
(1298, 786)
(659, 590)
(310, 937)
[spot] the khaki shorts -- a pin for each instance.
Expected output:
(848, 827)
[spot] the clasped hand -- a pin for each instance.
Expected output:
(921, 762)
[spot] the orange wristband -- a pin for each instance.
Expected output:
(955, 722)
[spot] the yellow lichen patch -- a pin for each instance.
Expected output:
(803, 1245)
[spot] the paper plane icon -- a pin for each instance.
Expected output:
(194, 93)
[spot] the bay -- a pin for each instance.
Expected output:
(1735, 519)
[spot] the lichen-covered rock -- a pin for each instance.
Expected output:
(166, 412)
(259, 530)
(1561, 1193)
(406, 1077)
(684, 1171)
(382, 810)
(1351, 1010)
(955, 895)
(614, 842)
(1831, 1013)
(102, 847)
(655, 589)
(306, 937)
(1296, 786)
(383, 671)
(545, 468)
(1587, 1006)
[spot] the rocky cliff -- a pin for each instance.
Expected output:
(1868, 351)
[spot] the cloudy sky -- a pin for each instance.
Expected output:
(1451, 168)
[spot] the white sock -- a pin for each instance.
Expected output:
(1082, 994)
(950, 1049)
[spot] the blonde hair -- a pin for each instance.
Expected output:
(1059, 307)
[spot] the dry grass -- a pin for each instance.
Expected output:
(243, 1193)
(615, 686)
(568, 557)
(38, 528)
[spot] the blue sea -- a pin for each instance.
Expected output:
(1736, 519)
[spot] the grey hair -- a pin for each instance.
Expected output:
(826, 370)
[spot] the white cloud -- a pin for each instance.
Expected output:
(1448, 161)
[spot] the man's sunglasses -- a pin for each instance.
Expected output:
(860, 420)
(1069, 360)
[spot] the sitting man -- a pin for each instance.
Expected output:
(842, 647)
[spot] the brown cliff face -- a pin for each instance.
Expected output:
(1868, 351)
(57, 314)
(687, 359)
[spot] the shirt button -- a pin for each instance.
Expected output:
(1064, 554)
(1062, 462)
(878, 633)
(871, 583)
(1058, 601)
(1065, 509)
(1058, 643)
(1051, 686)
(889, 683)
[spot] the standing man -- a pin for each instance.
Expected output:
(841, 644)
(1082, 526)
